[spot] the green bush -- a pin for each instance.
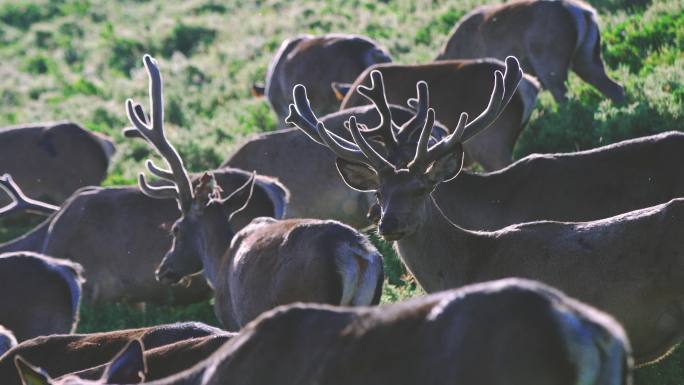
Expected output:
(187, 38)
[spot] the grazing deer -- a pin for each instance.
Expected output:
(458, 83)
(269, 262)
(630, 265)
(135, 229)
(549, 38)
(512, 332)
(318, 62)
(60, 355)
(298, 163)
(52, 160)
(7, 340)
(40, 295)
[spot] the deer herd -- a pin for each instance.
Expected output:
(555, 269)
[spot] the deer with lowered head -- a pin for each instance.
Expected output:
(135, 229)
(317, 62)
(457, 83)
(630, 265)
(506, 332)
(266, 264)
(549, 38)
(52, 160)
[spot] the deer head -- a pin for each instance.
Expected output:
(203, 228)
(402, 183)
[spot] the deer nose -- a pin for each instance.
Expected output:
(389, 228)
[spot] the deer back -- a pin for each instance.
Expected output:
(52, 160)
(318, 61)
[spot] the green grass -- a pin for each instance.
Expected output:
(81, 59)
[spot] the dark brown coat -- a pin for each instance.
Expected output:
(40, 295)
(548, 37)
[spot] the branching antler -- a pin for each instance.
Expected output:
(504, 89)
(376, 94)
(20, 201)
(361, 152)
(154, 135)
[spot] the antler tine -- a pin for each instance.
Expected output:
(155, 135)
(20, 201)
(302, 116)
(421, 104)
(374, 159)
(504, 89)
(422, 149)
(376, 94)
(353, 154)
(447, 144)
(163, 192)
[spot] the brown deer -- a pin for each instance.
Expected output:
(61, 354)
(512, 332)
(297, 162)
(318, 62)
(40, 295)
(269, 262)
(7, 340)
(549, 38)
(628, 265)
(135, 229)
(458, 83)
(52, 160)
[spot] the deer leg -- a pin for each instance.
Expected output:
(589, 67)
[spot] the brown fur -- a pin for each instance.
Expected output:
(40, 295)
(135, 230)
(63, 354)
(458, 86)
(317, 62)
(52, 160)
(548, 37)
(508, 332)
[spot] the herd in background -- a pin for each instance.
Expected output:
(273, 231)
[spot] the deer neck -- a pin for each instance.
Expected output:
(218, 239)
(439, 253)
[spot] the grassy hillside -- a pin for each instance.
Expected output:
(80, 59)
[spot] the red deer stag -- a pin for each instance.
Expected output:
(135, 229)
(269, 262)
(625, 176)
(458, 83)
(61, 355)
(549, 38)
(317, 62)
(628, 265)
(40, 295)
(512, 332)
(52, 160)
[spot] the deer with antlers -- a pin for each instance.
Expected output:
(135, 229)
(630, 265)
(269, 262)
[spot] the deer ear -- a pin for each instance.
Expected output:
(357, 176)
(445, 168)
(340, 89)
(29, 374)
(128, 367)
